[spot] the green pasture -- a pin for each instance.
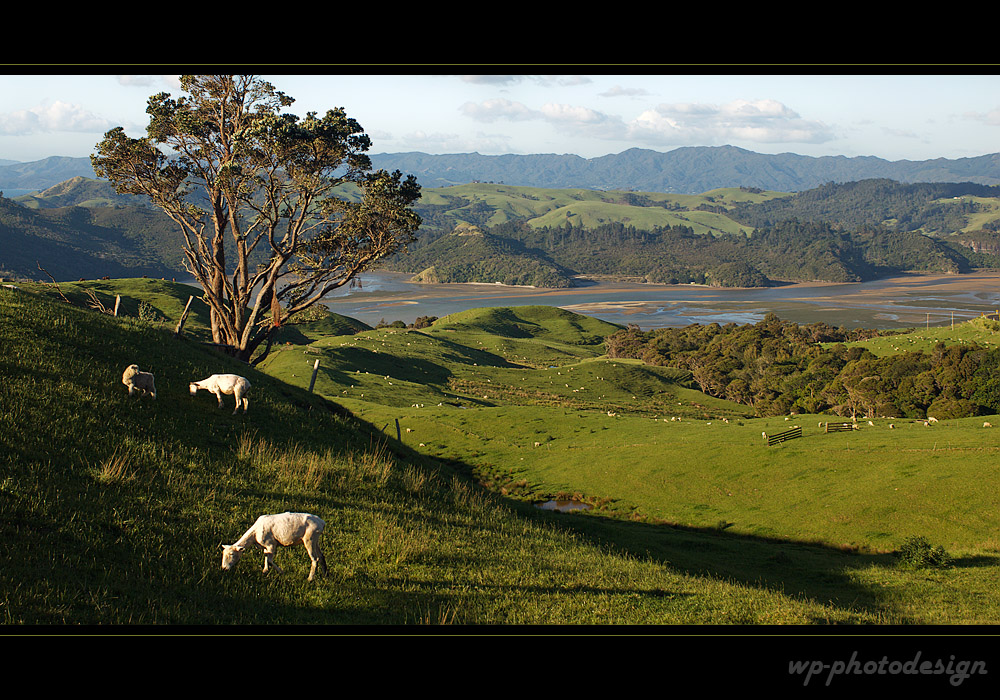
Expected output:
(984, 331)
(867, 489)
(696, 520)
(594, 214)
(554, 207)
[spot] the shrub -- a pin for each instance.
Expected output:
(148, 313)
(917, 552)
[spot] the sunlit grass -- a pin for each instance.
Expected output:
(119, 504)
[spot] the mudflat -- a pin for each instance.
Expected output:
(904, 300)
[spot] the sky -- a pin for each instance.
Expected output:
(891, 116)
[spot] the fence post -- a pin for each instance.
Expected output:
(180, 324)
(399, 436)
(118, 300)
(313, 380)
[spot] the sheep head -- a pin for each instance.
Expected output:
(231, 554)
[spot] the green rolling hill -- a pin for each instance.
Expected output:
(694, 519)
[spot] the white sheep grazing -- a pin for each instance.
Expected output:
(220, 384)
(138, 381)
(285, 529)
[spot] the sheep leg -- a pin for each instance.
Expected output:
(270, 548)
(218, 395)
(316, 555)
(269, 552)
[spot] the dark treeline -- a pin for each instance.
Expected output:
(778, 367)
(786, 250)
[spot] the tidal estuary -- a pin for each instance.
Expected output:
(897, 302)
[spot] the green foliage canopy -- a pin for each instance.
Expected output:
(779, 367)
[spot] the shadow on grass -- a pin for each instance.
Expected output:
(804, 570)
(975, 561)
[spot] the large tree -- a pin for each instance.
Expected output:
(276, 211)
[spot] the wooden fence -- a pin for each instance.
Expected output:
(789, 434)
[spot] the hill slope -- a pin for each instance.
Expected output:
(73, 242)
(469, 255)
(118, 505)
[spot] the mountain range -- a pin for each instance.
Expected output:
(689, 170)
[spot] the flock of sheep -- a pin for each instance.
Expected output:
(269, 531)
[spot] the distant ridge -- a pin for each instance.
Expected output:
(688, 170)
(684, 170)
(42, 174)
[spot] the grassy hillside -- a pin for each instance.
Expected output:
(984, 331)
(162, 300)
(75, 242)
(118, 504)
(491, 204)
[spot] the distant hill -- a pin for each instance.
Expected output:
(932, 208)
(41, 174)
(79, 191)
(688, 170)
(469, 255)
(75, 242)
(683, 170)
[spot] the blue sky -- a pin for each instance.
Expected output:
(896, 117)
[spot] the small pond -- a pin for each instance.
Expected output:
(564, 506)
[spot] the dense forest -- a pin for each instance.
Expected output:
(778, 367)
(470, 255)
(786, 250)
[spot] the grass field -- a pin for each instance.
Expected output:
(119, 504)
(984, 331)
(554, 207)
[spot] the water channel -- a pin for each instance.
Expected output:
(897, 302)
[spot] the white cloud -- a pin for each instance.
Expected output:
(499, 108)
(448, 143)
(619, 91)
(544, 80)
(172, 81)
(992, 117)
(52, 117)
(491, 79)
(758, 121)
(753, 121)
(570, 114)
